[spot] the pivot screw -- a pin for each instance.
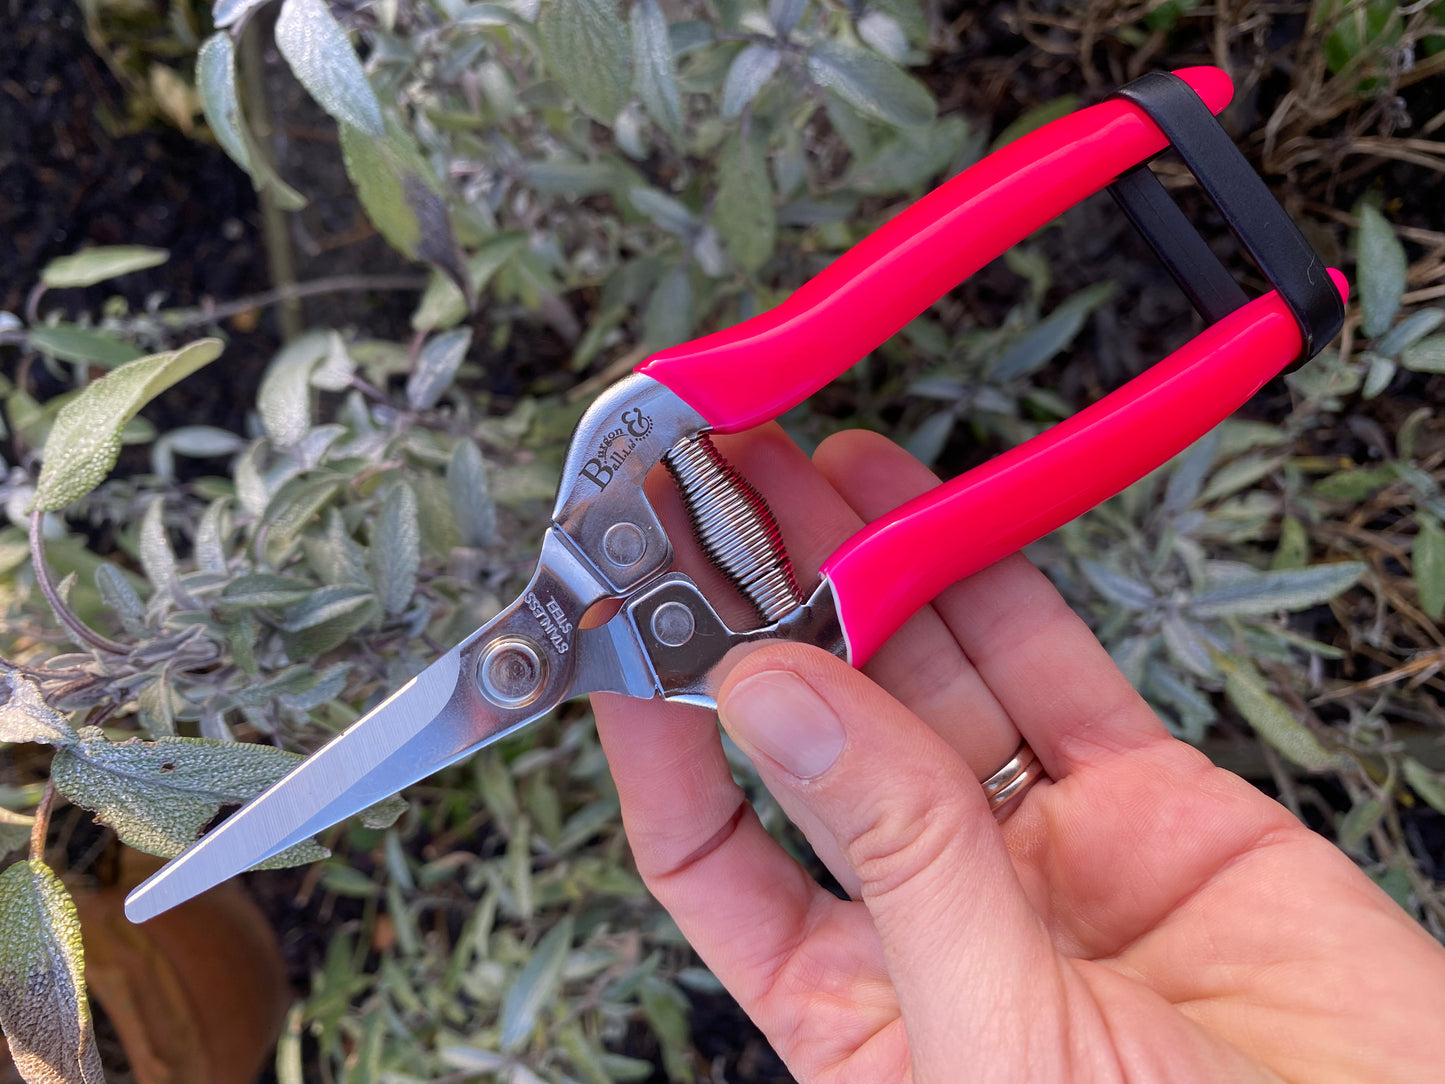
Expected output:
(511, 673)
(624, 544)
(673, 624)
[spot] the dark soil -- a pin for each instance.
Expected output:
(73, 172)
(76, 169)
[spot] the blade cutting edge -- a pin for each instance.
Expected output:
(434, 720)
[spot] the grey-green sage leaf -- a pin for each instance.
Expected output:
(1381, 271)
(43, 1009)
(25, 716)
(469, 491)
(396, 548)
(585, 43)
(873, 86)
(84, 442)
(93, 265)
(655, 77)
(320, 54)
(1272, 719)
(158, 795)
(1428, 556)
(535, 986)
(436, 367)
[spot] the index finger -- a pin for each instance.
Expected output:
(1041, 661)
(677, 790)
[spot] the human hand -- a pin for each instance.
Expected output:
(1142, 915)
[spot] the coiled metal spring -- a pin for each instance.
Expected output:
(734, 526)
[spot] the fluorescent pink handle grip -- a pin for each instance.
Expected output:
(895, 566)
(745, 375)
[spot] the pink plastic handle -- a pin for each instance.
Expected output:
(896, 565)
(745, 375)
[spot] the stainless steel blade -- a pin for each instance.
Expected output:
(606, 540)
(465, 700)
(610, 659)
(428, 723)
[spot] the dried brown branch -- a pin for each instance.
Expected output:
(41, 826)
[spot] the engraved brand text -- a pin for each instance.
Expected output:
(616, 445)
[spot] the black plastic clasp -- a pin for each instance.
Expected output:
(1267, 233)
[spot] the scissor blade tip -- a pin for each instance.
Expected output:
(140, 907)
(151, 898)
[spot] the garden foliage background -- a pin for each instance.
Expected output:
(337, 392)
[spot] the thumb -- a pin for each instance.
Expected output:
(911, 821)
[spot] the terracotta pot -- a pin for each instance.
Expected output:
(197, 995)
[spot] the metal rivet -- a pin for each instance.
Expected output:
(673, 624)
(511, 673)
(624, 544)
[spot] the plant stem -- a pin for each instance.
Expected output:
(43, 671)
(274, 230)
(42, 822)
(66, 615)
(32, 303)
(369, 390)
(181, 319)
(210, 313)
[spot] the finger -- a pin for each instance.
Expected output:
(925, 667)
(875, 476)
(1044, 665)
(936, 877)
(813, 519)
(677, 792)
(1068, 699)
(746, 907)
(680, 804)
(734, 893)
(820, 503)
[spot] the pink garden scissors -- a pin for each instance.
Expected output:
(606, 542)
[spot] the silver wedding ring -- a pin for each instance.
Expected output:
(1007, 785)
